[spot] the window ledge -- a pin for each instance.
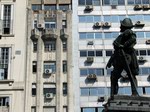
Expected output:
(8, 35)
(7, 81)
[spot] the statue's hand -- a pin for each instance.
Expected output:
(121, 46)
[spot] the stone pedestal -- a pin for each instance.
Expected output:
(122, 103)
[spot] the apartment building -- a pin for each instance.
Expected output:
(49, 79)
(96, 23)
(12, 55)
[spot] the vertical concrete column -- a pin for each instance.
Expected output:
(39, 83)
(59, 78)
(69, 63)
(28, 76)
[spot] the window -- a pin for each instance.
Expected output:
(64, 88)
(50, 46)
(50, 25)
(64, 44)
(87, 71)
(142, 52)
(4, 62)
(101, 91)
(33, 109)
(33, 89)
(64, 23)
(65, 66)
(140, 34)
(91, 53)
(131, 2)
(138, 2)
(89, 2)
(113, 2)
(4, 101)
(89, 19)
(93, 92)
(50, 65)
(7, 19)
(35, 46)
(49, 7)
(64, 7)
(83, 54)
(84, 91)
(109, 71)
(98, 53)
(147, 89)
(36, 6)
(34, 66)
(109, 52)
(49, 88)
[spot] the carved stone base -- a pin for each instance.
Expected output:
(122, 103)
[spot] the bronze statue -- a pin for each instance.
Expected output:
(124, 58)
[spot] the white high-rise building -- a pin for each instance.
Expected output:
(12, 55)
(96, 23)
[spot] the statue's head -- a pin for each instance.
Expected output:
(126, 24)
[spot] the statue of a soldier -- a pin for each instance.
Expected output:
(124, 57)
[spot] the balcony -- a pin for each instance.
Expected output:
(49, 34)
(63, 34)
(34, 36)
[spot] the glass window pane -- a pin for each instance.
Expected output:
(83, 72)
(97, 18)
(115, 18)
(101, 91)
(121, 2)
(84, 91)
(147, 89)
(130, 2)
(36, 7)
(90, 35)
(96, 2)
(147, 34)
(82, 35)
(148, 52)
(88, 2)
(121, 91)
(81, 2)
(115, 34)
(107, 18)
(83, 54)
(145, 1)
(139, 17)
(140, 34)
(106, 2)
(145, 71)
(138, 2)
(91, 53)
(98, 35)
(49, 7)
(140, 90)
(142, 52)
(93, 92)
(98, 53)
(132, 17)
(64, 7)
(100, 109)
(108, 53)
(89, 19)
(121, 17)
(88, 109)
(82, 19)
(98, 72)
(146, 17)
(91, 71)
(127, 90)
(109, 71)
(107, 35)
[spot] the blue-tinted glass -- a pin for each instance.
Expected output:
(96, 2)
(88, 2)
(147, 89)
(140, 34)
(132, 17)
(91, 71)
(91, 53)
(121, 2)
(53, 67)
(106, 2)
(52, 25)
(107, 35)
(121, 91)
(82, 35)
(146, 17)
(98, 35)
(142, 52)
(88, 109)
(36, 7)
(83, 54)
(109, 53)
(107, 18)
(101, 91)
(127, 90)
(138, 2)
(98, 72)
(115, 19)
(108, 90)
(140, 90)
(101, 109)
(145, 71)
(84, 91)
(114, 2)
(83, 72)
(93, 92)
(47, 25)
(139, 17)
(121, 17)
(49, 7)
(145, 1)
(89, 19)
(148, 52)
(97, 18)
(81, 2)
(99, 53)
(130, 1)
(63, 7)
(109, 71)
(82, 19)
(90, 35)
(147, 34)
(114, 34)
(140, 71)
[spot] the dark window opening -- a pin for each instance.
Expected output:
(34, 66)
(64, 66)
(64, 88)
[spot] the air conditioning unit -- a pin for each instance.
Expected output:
(40, 25)
(147, 42)
(146, 7)
(48, 71)
(138, 7)
(141, 59)
(106, 24)
(90, 59)
(92, 76)
(49, 95)
(90, 43)
(139, 23)
(1, 74)
(101, 99)
(88, 8)
(97, 24)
